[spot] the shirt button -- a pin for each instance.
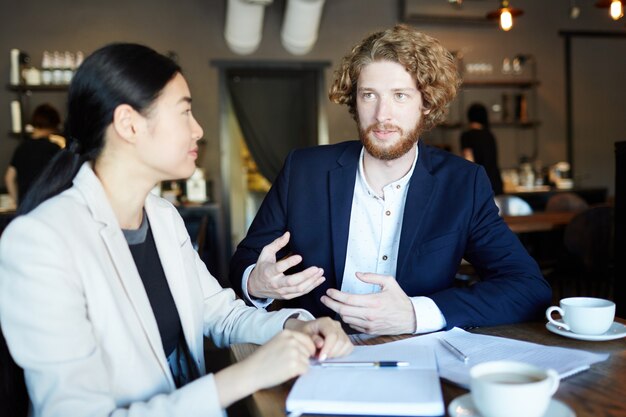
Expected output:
(388, 213)
(397, 187)
(385, 257)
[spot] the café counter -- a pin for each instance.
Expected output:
(537, 197)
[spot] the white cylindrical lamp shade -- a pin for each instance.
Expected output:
(15, 67)
(16, 117)
(301, 24)
(244, 25)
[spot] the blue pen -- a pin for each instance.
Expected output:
(357, 364)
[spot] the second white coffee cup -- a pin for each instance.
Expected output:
(584, 315)
(512, 389)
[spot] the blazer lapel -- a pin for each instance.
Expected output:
(421, 188)
(135, 291)
(168, 242)
(341, 193)
(90, 187)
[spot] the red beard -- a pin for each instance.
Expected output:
(395, 151)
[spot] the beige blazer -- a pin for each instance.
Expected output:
(76, 316)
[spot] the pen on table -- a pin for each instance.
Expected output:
(364, 364)
(454, 350)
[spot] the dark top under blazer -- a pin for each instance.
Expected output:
(450, 214)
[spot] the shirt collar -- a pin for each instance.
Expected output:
(401, 182)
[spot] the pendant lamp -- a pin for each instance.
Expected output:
(616, 7)
(505, 14)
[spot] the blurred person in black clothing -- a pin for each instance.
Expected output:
(479, 145)
(32, 155)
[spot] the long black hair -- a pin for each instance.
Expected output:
(119, 73)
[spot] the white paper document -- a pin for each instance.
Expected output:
(481, 348)
(412, 390)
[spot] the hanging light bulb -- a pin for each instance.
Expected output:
(505, 15)
(616, 9)
(506, 20)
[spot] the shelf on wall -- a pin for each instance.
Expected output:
(522, 125)
(49, 87)
(437, 12)
(449, 20)
(521, 83)
(516, 125)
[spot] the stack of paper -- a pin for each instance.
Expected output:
(481, 348)
(412, 390)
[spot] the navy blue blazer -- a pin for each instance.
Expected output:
(449, 214)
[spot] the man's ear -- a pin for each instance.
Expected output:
(124, 122)
(425, 111)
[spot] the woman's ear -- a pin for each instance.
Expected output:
(125, 119)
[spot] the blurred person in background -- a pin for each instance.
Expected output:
(479, 145)
(32, 155)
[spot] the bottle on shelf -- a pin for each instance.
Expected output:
(506, 66)
(68, 67)
(505, 115)
(521, 108)
(16, 117)
(15, 67)
(46, 68)
(80, 57)
(195, 187)
(57, 68)
(31, 75)
(526, 174)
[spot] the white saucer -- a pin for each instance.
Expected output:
(616, 331)
(463, 406)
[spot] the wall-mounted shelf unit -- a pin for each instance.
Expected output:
(510, 97)
(23, 93)
(24, 89)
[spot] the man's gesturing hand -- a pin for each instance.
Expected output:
(267, 279)
(389, 311)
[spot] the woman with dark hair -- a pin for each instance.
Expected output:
(32, 155)
(103, 301)
(479, 145)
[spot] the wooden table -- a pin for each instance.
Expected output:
(597, 392)
(539, 222)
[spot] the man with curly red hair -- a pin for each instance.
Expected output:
(374, 230)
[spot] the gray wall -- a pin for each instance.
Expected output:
(194, 30)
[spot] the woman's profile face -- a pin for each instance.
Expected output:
(169, 146)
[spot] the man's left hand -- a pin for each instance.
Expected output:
(387, 312)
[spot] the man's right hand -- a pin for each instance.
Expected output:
(267, 279)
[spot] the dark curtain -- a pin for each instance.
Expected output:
(277, 111)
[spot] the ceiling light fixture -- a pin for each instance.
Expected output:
(616, 7)
(505, 14)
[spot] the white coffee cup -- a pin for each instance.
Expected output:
(584, 315)
(512, 389)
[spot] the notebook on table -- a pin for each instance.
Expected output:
(411, 390)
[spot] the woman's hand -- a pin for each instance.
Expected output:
(284, 357)
(329, 338)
